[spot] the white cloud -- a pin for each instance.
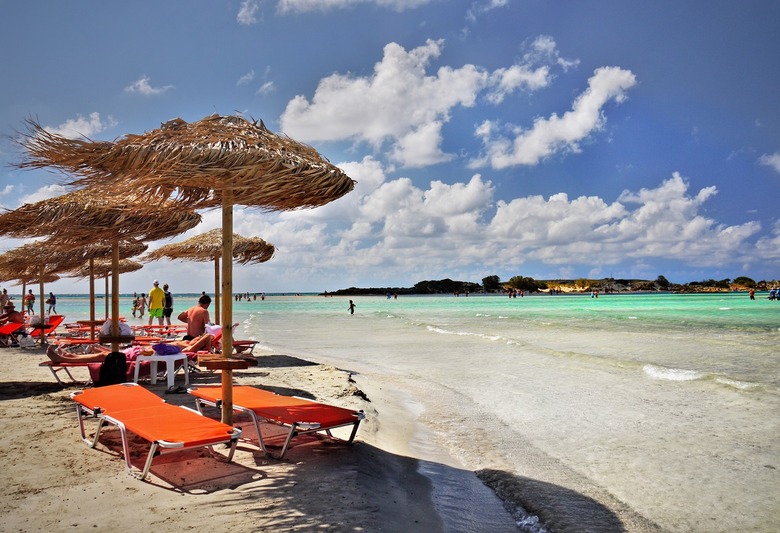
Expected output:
(247, 12)
(402, 231)
(768, 247)
(556, 134)
(265, 88)
(478, 8)
(302, 6)
(771, 160)
(402, 104)
(398, 231)
(142, 86)
(44, 193)
(82, 126)
(246, 78)
(399, 102)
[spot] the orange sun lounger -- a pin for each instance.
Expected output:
(136, 410)
(49, 329)
(300, 415)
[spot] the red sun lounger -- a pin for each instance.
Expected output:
(136, 410)
(300, 415)
(8, 333)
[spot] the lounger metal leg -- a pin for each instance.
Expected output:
(256, 422)
(354, 432)
(290, 436)
(54, 373)
(90, 442)
(149, 459)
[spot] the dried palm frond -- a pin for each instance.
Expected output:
(208, 246)
(86, 216)
(103, 268)
(198, 162)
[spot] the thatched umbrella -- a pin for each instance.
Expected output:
(216, 161)
(35, 263)
(84, 216)
(208, 247)
(103, 268)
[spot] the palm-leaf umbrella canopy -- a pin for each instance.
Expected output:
(85, 216)
(208, 247)
(200, 160)
(104, 267)
(216, 161)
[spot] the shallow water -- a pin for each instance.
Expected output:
(667, 405)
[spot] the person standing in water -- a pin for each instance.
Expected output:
(351, 307)
(168, 305)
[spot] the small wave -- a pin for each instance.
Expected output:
(741, 385)
(670, 374)
(633, 318)
(434, 329)
(502, 317)
(724, 308)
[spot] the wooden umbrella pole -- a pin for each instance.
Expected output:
(107, 296)
(227, 304)
(92, 298)
(43, 322)
(217, 316)
(115, 296)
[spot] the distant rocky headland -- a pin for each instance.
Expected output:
(493, 284)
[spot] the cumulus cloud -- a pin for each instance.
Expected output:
(44, 193)
(771, 160)
(143, 86)
(404, 105)
(247, 11)
(302, 6)
(402, 231)
(399, 102)
(82, 126)
(556, 134)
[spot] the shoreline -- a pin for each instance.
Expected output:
(371, 484)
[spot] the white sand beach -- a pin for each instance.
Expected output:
(55, 482)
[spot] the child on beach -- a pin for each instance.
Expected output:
(29, 301)
(52, 301)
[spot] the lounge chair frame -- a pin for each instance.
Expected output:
(9, 333)
(142, 417)
(257, 415)
(56, 368)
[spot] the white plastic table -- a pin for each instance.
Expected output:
(170, 366)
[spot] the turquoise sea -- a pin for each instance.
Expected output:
(667, 405)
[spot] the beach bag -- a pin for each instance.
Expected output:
(166, 349)
(113, 370)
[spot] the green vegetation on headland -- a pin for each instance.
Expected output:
(493, 284)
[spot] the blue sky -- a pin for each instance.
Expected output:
(535, 138)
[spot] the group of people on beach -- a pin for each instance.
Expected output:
(28, 302)
(159, 304)
(197, 338)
